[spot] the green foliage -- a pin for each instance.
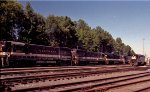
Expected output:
(94, 39)
(11, 18)
(84, 35)
(61, 31)
(28, 26)
(34, 27)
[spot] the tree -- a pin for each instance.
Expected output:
(119, 46)
(11, 19)
(98, 36)
(53, 30)
(84, 35)
(34, 27)
(30, 27)
(61, 31)
(68, 29)
(94, 39)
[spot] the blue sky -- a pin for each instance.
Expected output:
(129, 20)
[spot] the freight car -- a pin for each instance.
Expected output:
(21, 54)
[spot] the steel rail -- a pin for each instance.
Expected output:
(79, 83)
(58, 75)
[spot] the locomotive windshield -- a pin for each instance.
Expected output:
(11, 46)
(8, 47)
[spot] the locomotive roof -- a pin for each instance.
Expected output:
(88, 51)
(21, 43)
(140, 55)
(49, 46)
(16, 43)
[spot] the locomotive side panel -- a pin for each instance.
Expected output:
(92, 57)
(87, 57)
(51, 55)
(20, 54)
(64, 56)
(114, 59)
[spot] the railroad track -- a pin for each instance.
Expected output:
(5, 70)
(18, 75)
(101, 84)
(145, 89)
(13, 82)
(124, 85)
(35, 68)
(12, 79)
(29, 72)
(32, 70)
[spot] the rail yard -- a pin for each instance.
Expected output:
(68, 46)
(100, 78)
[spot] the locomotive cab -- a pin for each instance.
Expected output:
(137, 60)
(9, 52)
(4, 53)
(140, 60)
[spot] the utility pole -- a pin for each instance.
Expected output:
(143, 45)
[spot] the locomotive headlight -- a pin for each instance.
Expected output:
(97, 58)
(2, 53)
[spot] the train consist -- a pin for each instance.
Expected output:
(21, 54)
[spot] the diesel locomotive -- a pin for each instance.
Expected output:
(17, 54)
